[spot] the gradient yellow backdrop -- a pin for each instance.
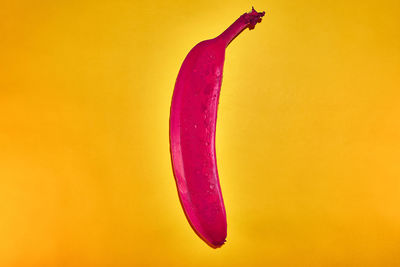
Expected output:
(308, 134)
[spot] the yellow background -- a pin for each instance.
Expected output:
(308, 134)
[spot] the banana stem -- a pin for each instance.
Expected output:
(247, 20)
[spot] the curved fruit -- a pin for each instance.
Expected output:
(192, 132)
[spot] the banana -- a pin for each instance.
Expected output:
(193, 117)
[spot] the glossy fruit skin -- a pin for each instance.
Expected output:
(193, 119)
(193, 125)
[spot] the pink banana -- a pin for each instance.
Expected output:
(192, 132)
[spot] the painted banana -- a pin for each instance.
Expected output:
(192, 132)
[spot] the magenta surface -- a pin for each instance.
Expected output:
(192, 132)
